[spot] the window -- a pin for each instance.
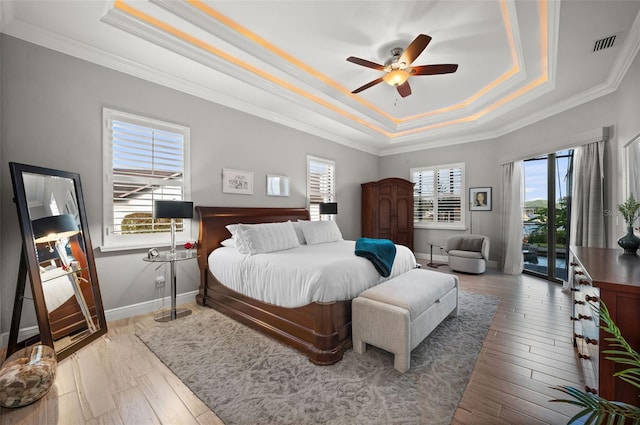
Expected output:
(144, 160)
(546, 214)
(320, 185)
(439, 196)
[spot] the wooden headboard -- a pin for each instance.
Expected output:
(213, 220)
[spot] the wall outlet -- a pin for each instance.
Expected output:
(160, 281)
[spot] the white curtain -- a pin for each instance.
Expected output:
(512, 202)
(587, 203)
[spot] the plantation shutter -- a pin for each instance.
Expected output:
(146, 162)
(320, 184)
(449, 195)
(438, 195)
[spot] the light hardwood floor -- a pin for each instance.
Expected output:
(117, 380)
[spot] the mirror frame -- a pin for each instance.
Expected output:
(29, 262)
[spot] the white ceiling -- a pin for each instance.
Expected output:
(519, 61)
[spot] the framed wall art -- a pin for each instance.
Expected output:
(480, 199)
(237, 181)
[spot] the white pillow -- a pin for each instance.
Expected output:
(231, 243)
(238, 236)
(317, 232)
(299, 233)
(268, 237)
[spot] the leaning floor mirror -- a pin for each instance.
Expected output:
(58, 257)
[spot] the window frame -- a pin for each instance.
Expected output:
(462, 224)
(110, 241)
(332, 197)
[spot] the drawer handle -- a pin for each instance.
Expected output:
(591, 341)
(578, 302)
(574, 289)
(584, 356)
(578, 335)
(584, 282)
(591, 298)
(574, 318)
(578, 272)
(584, 317)
(590, 390)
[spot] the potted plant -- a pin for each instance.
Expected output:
(595, 409)
(630, 212)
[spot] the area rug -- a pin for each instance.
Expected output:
(248, 378)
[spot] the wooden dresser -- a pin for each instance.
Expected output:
(607, 275)
(387, 210)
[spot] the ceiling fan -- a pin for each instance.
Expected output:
(398, 68)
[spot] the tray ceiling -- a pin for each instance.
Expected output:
(519, 61)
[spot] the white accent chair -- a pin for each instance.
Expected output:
(467, 253)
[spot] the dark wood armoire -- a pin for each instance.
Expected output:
(387, 210)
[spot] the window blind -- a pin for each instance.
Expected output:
(146, 161)
(320, 184)
(438, 195)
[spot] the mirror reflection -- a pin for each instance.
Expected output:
(58, 256)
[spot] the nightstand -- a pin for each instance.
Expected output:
(172, 259)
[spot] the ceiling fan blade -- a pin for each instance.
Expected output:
(415, 48)
(366, 63)
(404, 89)
(368, 85)
(434, 69)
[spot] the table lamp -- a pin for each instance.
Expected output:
(55, 228)
(173, 210)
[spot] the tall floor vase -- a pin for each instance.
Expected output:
(629, 242)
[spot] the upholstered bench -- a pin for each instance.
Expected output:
(401, 312)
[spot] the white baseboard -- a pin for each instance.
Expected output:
(115, 314)
(147, 306)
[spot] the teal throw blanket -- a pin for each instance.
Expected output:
(381, 252)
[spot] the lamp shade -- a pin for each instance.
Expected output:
(329, 208)
(173, 209)
(54, 228)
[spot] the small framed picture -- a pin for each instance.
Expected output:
(277, 185)
(236, 181)
(480, 199)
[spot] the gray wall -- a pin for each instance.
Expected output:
(51, 109)
(51, 117)
(620, 109)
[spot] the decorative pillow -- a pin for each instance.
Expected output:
(268, 237)
(231, 243)
(299, 232)
(317, 232)
(238, 235)
(468, 244)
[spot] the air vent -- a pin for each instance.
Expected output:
(604, 43)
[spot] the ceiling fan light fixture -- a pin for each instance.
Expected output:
(396, 77)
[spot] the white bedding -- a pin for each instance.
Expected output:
(57, 288)
(299, 276)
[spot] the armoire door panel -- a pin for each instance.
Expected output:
(385, 214)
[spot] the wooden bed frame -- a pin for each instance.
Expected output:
(322, 331)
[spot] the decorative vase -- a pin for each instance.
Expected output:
(629, 242)
(27, 375)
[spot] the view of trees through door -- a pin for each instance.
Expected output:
(545, 216)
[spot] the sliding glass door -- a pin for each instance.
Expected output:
(545, 216)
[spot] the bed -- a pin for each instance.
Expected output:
(320, 329)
